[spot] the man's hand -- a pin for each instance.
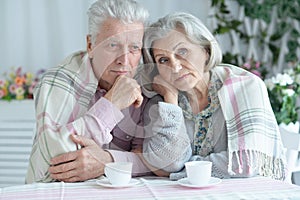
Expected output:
(80, 165)
(125, 92)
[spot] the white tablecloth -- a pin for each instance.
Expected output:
(153, 188)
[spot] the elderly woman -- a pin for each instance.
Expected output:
(202, 109)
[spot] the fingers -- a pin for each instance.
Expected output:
(81, 140)
(139, 100)
(62, 167)
(63, 158)
(80, 165)
(125, 92)
(64, 172)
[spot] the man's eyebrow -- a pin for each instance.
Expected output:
(136, 42)
(112, 39)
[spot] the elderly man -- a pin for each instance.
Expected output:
(89, 108)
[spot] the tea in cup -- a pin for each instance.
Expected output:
(118, 173)
(198, 172)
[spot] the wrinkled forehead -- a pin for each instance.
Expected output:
(118, 30)
(170, 40)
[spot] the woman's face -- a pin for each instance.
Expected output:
(180, 62)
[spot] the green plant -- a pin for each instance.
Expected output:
(284, 90)
(288, 12)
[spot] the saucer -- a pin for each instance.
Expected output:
(105, 183)
(212, 181)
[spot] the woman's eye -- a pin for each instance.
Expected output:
(182, 51)
(163, 60)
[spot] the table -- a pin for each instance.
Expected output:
(157, 188)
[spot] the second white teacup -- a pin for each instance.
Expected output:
(118, 173)
(198, 172)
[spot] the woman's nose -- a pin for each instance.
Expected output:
(176, 65)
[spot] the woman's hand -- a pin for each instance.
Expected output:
(162, 87)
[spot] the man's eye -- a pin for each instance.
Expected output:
(163, 60)
(113, 45)
(135, 49)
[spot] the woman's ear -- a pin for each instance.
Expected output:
(89, 46)
(207, 55)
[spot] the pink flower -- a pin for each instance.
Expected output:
(19, 71)
(247, 65)
(257, 73)
(12, 88)
(2, 83)
(2, 93)
(30, 89)
(257, 65)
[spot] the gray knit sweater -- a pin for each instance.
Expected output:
(169, 139)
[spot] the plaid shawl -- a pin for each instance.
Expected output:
(61, 97)
(251, 124)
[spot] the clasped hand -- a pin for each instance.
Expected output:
(125, 92)
(83, 164)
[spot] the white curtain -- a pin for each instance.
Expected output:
(38, 34)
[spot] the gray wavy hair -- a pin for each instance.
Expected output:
(194, 30)
(128, 11)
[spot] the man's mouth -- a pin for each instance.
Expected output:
(120, 72)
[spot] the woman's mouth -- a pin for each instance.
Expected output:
(182, 77)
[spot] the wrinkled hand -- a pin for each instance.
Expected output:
(165, 89)
(86, 163)
(125, 92)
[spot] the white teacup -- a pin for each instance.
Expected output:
(198, 172)
(118, 173)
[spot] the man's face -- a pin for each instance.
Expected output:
(117, 51)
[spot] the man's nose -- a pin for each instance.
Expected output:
(123, 58)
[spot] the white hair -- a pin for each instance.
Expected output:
(194, 30)
(128, 11)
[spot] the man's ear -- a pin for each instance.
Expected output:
(89, 46)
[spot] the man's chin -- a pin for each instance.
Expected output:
(103, 84)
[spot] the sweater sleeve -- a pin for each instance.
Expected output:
(167, 145)
(138, 168)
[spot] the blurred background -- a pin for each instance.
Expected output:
(38, 34)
